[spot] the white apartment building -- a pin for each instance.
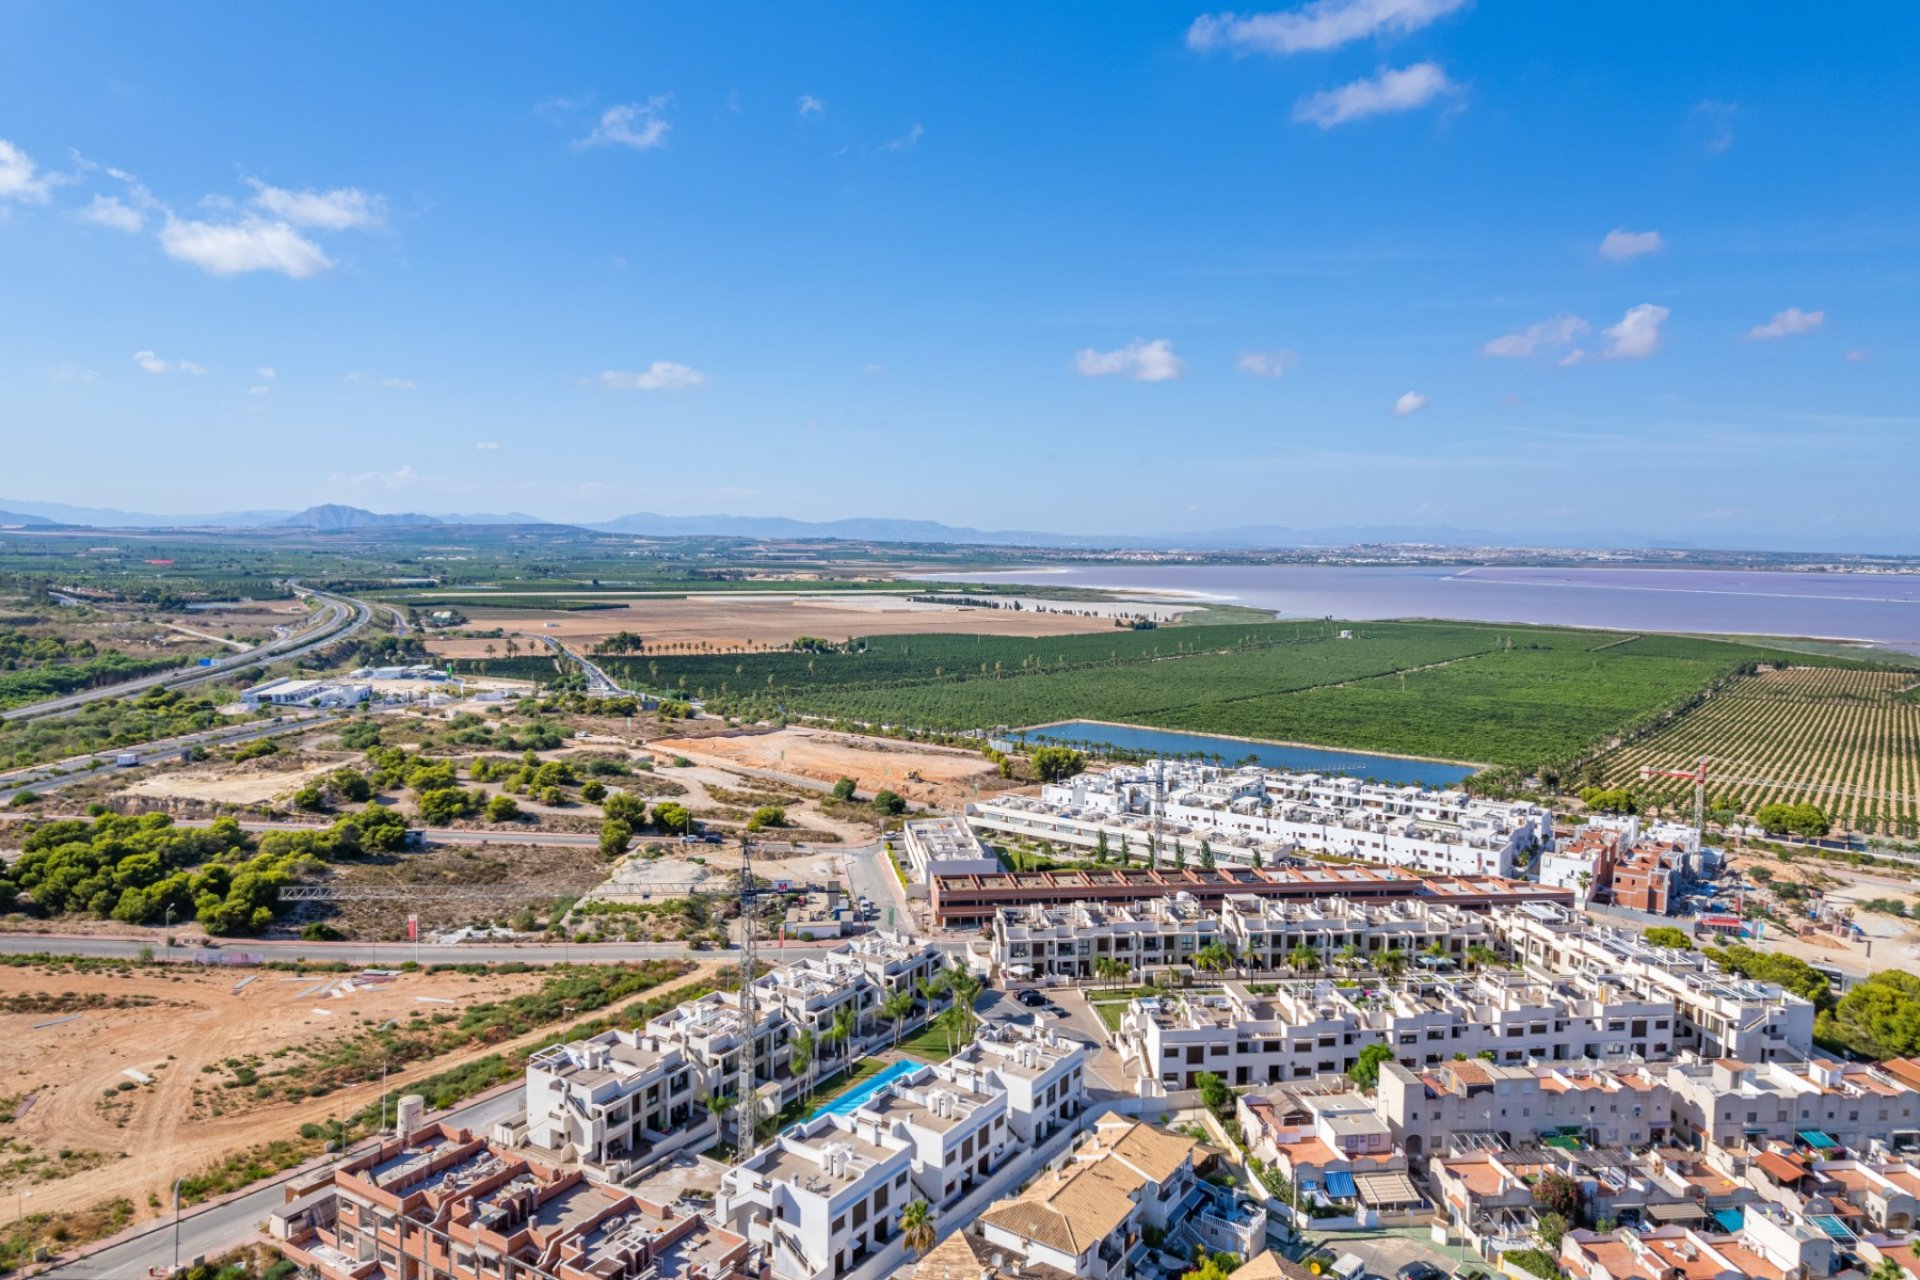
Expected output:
(955, 1123)
(617, 1101)
(1731, 1104)
(943, 846)
(1425, 1107)
(1253, 816)
(1718, 1014)
(890, 960)
(623, 1099)
(1071, 941)
(1044, 1076)
(1264, 932)
(821, 1197)
(1305, 1029)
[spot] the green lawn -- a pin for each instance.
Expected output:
(929, 1044)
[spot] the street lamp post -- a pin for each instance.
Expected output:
(176, 1226)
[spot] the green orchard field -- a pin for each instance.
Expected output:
(1497, 695)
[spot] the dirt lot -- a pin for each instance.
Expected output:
(939, 776)
(758, 621)
(229, 784)
(127, 1137)
(537, 873)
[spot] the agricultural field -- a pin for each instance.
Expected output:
(1498, 695)
(1846, 741)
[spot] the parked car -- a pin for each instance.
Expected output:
(1421, 1271)
(1032, 999)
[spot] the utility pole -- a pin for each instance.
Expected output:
(747, 1103)
(176, 1228)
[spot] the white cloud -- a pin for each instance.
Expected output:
(21, 180)
(640, 125)
(1857, 356)
(259, 391)
(487, 446)
(1321, 24)
(252, 244)
(661, 375)
(906, 141)
(71, 371)
(1785, 324)
(1403, 90)
(1560, 331)
(154, 364)
(1713, 122)
(810, 105)
(267, 371)
(1620, 245)
(1411, 402)
(340, 209)
(1267, 364)
(388, 382)
(110, 211)
(1140, 360)
(1638, 333)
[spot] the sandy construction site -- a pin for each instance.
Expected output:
(114, 1075)
(943, 776)
(759, 621)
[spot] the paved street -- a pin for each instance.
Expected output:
(343, 618)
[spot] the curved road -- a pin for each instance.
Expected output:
(345, 617)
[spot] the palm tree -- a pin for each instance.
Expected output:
(1394, 961)
(1349, 956)
(800, 1056)
(966, 989)
(897, 1008)
(1888, 1268)
(1213, 957)
(953, 1023)
(916, 1227)
(1111, 968)
(1303, 957)
(1479, 955)
(1436, 950)
(844, 1022)
(718, 1104)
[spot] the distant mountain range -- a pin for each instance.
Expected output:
(334, 517)
(15, 518)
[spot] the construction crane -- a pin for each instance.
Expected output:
(748, 1100)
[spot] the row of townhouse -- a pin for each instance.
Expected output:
(825, 1194)
(1766, 1246)
(1866, 1196)
(1718, 1014)
(623, 1099)
(441, 1204)
(1299, 1030)
(1624, 1106)
(1262, 933)
(1252, 815)
(1824, 1105)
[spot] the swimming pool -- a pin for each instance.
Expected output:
(853, 1099)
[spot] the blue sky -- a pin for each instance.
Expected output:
(1528, 267)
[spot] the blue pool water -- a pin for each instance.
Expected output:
(853, 1099)
(1165, 742)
